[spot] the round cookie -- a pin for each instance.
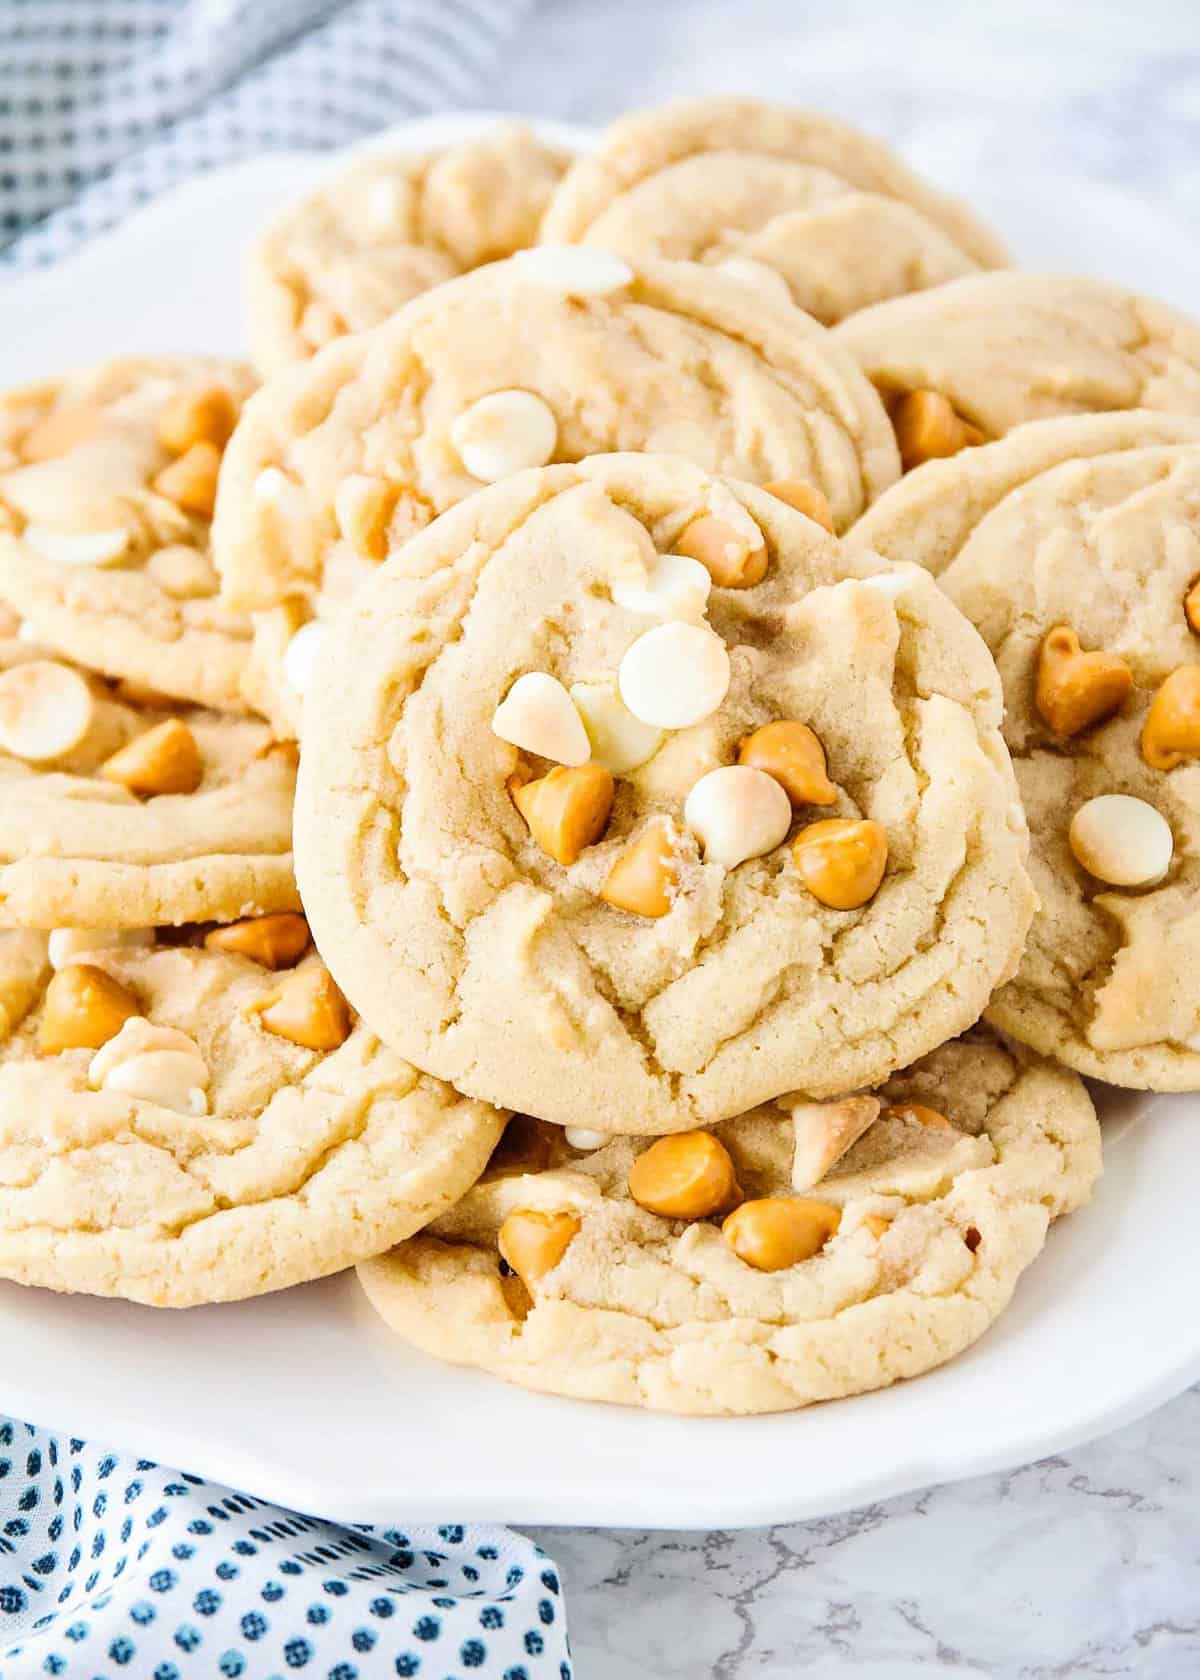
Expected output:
(1006, 348)
(634, 981)
(390, 226)
(825, 208)
(1102, 547)
(938, 1208)
(553, 355)
(122, 814)
(107, 484)
(200, 1154)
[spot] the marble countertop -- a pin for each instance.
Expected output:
(1088, 1564)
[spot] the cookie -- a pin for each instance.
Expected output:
(585, 838)
(620, 1273)
(792, 194)
(180, 1124)
(551, 356)
(107, 483)
(1075, 552)
(1001, 349)
(390, 226)
(122, 814)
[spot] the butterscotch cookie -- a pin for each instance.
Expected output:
(801, 1252)
(627, 792)
(390, 226)
(792, 195)
(122, 813)
(552, 356)
(1079, 568)
(994, 350)
(181, 1124)
(107, 484)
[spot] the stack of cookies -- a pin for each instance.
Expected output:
(724, 648)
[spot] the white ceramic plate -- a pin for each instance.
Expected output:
(304, 1398)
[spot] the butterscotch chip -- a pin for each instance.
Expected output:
(928, 429)
(62, 430)
(733, 559)
(166, 759)
(308, 1009)
(191, 481)
(533, 1243)
(1171, 733)
(792, 754)
(841, 862)
(688, 1176)
(206, 415)
(919, 1114)
(1077, 689)
(567, 810)
(776, 1232)
(84, 1008)
(877, 1224)
(645, 877)
(1191, 606)
(805, 498)
(276, 941)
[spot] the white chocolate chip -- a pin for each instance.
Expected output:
(301, 655)
(765, 279)
(539, 716)
(156, 1064)
(1121, 840)
(893, 583)
(505, 433)
(824, 1132)
(578, 270)
(76, 944)
(620, 741)
(46, 709)
(76, 548)
(273, 488)
(677, 587)
(579, 1137)
(384, 205)
(675, 675)
(736, 813)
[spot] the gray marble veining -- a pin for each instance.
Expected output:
(1088, 1564)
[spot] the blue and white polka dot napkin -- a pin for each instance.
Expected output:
(114, 1569)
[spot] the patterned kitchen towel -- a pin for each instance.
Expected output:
(103, 103)
(112, 1567)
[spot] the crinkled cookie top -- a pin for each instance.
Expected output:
(1006, 348)
(929, 1216)
(197, 1154)
(1073, 546)
(789, 195)
(118, 811)
(107, 485)
(390, 226)
(683, 960)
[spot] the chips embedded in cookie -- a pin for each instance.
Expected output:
(107, 485)
(994, 350)
(387, 228)
(181, 1124)
(130, 812)
(560, 1271)
(1073, 546)
(799, 203)
(548, 858)
(554, 355)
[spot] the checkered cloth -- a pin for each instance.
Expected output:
(104, 103)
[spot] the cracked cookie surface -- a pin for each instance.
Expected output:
(830, 211)
(302, 1162)
(936, 1225)
(77, 847)
(339, 460)
(476, 954)
(387, 228)
(1089, 524)
(1007, 348)
(107, 481)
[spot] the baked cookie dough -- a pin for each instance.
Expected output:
(1005, 348)
(643, 946)
(792, 194)
(839, 1272)
(552, 356)
(390, 226)
(107, 484)
(122, 814)
(180, 1124)
(1079, 574)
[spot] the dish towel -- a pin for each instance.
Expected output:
(104, 103)
(111, 1567)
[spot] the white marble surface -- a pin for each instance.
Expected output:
(1083, 1565)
